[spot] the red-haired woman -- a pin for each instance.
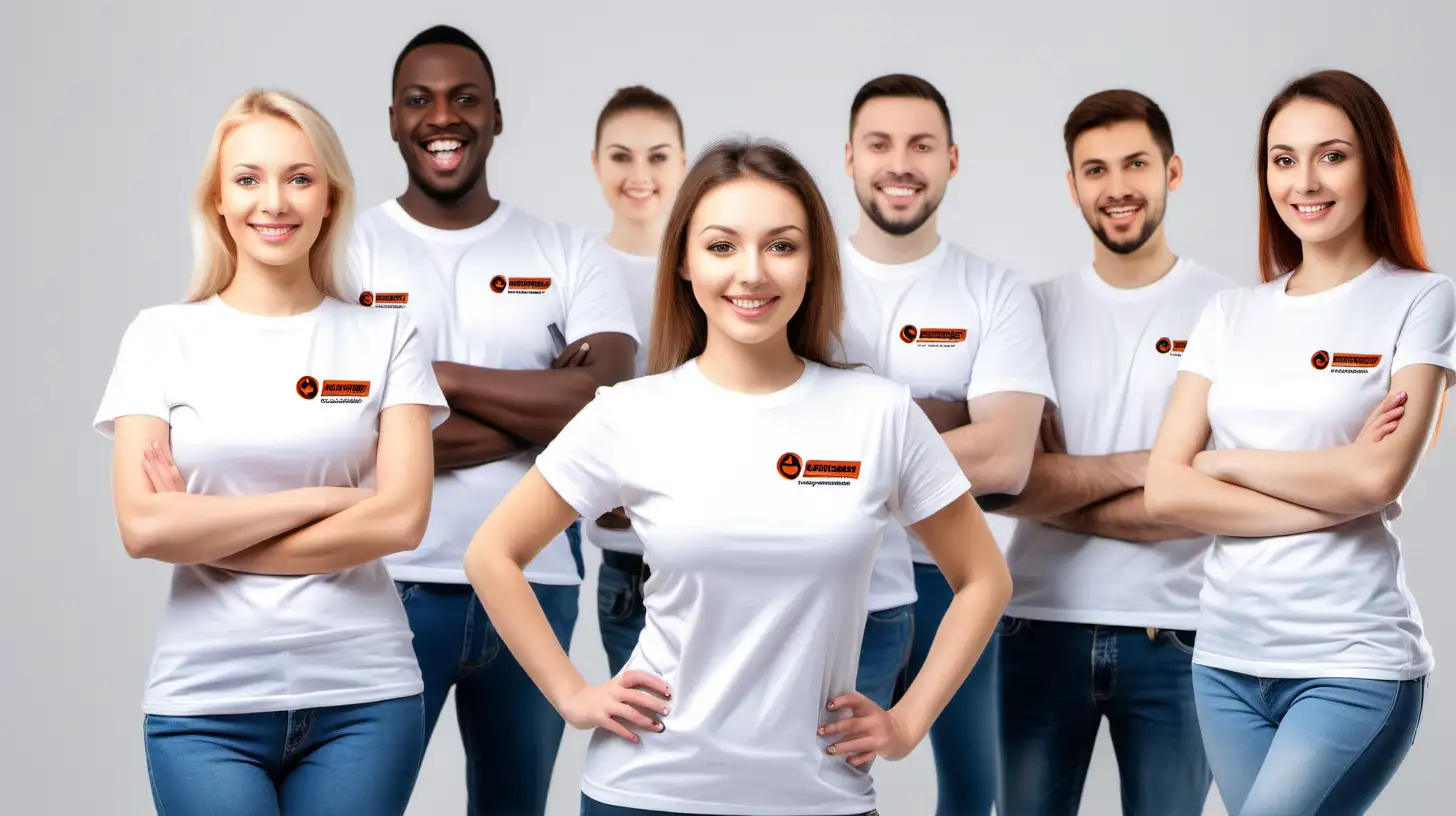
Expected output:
(1321, 389)
(760, 476)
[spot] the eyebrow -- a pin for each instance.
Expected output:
(291, 168)
(629, 150)
(879, 134)
(1325, 143)
(461, 87)
(1129, 157)
(731, 231)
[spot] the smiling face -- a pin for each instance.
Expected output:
(640, 164)
(1120, 183)
(901, 161)
(444, 117)
(748, 259)
(273, 194)
(1314, 170)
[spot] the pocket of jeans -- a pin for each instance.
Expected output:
(1180, 642)
(895, 614)
(405, 589)
(1009, 626)
(616, 599)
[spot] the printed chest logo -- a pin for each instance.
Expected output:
(332, 391)
(1344, 362)
(384, 300)
(935, 338)
(817, 472)
(502, 285)
(1167, 345)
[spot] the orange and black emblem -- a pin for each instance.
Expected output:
(1345, 362)
(1166, 345)
(790, 466)
(307, 387)
(1320, 360)
(498, 284)
(366, 298)
(909, 333)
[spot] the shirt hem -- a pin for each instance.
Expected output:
(1304, 671)
(1040, 389)
(615, 798)
(439, 575)
(285, 702)
(1155, 620)
(880, 604)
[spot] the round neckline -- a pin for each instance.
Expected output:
(1280, 286)
(493, 222)
(230, 312)
(1102, 287)
(875, 269)
(631, 257)
(692, 374)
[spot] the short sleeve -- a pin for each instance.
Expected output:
(1429, 331)
(351, 276)
(1204, 342)
(598, 301)
(928, 477)
(579, 462)
(1012, 355)
(138, 382)
(410, 379)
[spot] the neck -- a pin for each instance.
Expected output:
(1136, 269)
(1330, 263)
(760, 368)
(637, 237)
(462, 213)
(272, 291)
(882, 247)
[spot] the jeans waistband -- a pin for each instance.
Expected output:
(626, 562)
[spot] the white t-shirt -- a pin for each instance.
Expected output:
(951, 326)
(1114, 356)
(639, 279)
(232, 385)
(485, 296)
(1303, 373)
(760, 537)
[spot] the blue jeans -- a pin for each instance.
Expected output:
(1054, 697)
(620, 613)
(964, 737)
(352, 760)
(1304, 747)
(884, 653)
(509, 730)
(591, 807)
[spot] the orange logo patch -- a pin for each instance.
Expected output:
(790, 466)
(498, 284)
(829, 469)
(366, 298)
(1169, 346)
(912, 334)
(1345, 362)
(909, 333)
(346, 388)
(307, 387)
(521, 286)
(793, 467)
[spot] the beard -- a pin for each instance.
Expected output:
(898, 229)
(1152, 220)
(447, 195)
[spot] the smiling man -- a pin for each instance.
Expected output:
(965, 335)
(1093, 574)
(525, 320)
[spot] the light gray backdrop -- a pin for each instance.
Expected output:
(110, 106)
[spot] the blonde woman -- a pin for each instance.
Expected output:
(272, 442)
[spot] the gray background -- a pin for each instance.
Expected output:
(111, 106)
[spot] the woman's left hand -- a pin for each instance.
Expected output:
(868, 732)
(161, 471)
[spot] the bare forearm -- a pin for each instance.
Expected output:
(1122, 517)
(1061, 483)
(182, 528)
(991, 462)
(533, 405)
(373, 528)
(1343, 480)
(1184, 497)
(462, 441)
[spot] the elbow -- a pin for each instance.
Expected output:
(1007, 475)
(1160, 500)
(410, 528)
(1376, 488)
(139, 538)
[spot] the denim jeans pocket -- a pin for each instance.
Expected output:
(1009, 626)
(1182, 640)
(894, 614)
(405, 589)
(616, 595)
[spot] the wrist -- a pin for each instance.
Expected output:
(567, 688)
(911, 723)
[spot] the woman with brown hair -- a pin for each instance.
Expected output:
(1321, 389)
(760, 476)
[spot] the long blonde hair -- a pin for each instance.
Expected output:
(214, 253)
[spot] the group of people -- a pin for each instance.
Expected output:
(850, 492)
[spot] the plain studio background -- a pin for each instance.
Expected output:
(112, 105)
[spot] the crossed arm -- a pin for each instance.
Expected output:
(1262, 493)
(992, 438)
(497, 413)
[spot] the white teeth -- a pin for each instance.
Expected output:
(1121, 211)
(1313, 208)
(273, 231)
(443, 145)
(898, 192)
(639, 194)
(748, 304)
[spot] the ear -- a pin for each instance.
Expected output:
(393, 134)
(500, 123)
(955, 160)
(1175, 171)
(682, 271)
(596, 163)
(1072, 188)
(849, 159)
(329, 206)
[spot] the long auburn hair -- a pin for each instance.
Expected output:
(214, 254)
(1392, 228)
(679, 326)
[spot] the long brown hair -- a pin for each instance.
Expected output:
(1392, 229)
(679, 326)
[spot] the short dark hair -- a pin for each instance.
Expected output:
(1119, 105)
(635, 98)
(443, 35)
(902, 86)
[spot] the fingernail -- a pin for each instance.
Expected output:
(586, 346)
(659, 726)
(831, 749)
(821, 732)
(831, 706)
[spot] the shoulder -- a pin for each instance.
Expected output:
(172, 318)
(860, 387)
(1414, 284)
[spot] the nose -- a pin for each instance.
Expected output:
(442, 112)
(275, 200)
(751, 275)
(1117, 188)
(1306, 180)
(640, 171)
(900, 162)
